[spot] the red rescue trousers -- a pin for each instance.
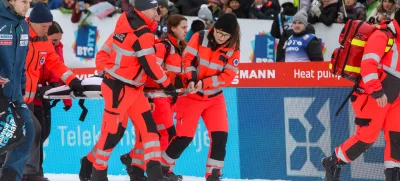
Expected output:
(120, 100)
(370, 120)
(189, 109)
(163, 116)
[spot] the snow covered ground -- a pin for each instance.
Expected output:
(72, 177)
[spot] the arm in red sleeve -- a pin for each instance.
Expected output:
(226, 76)
(373, 53)
(54, 64)
(190, 58)
(103, 59)
(144, 49)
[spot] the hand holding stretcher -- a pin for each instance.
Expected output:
(92, 86)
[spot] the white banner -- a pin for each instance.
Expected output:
(249, 30)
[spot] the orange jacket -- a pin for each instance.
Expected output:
(128, 55)
(216, 67)
(374, 62)
(42, 52)
(170, 61)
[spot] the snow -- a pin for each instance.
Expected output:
(73, 177)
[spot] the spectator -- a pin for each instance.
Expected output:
(354, 10)
(302, 46)
(233, 6)
(385, 11)
(282, 27)
(371, 5)
(325, 12)
(206, 15)
(189, 7)
(126, 5)
(165, 13)
(305, 4)
(197, 25)
(261, 10)
(81, 6)
(215, 8)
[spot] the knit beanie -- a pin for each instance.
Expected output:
(227, 23)
(41, 14)
(143, 5)
(301, 16)
(205, 13)
(197, 25)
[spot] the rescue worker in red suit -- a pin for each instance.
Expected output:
(48, 80)
(41, 52)
(128, 63)
(376, 105)
(169, 51)
(210, 63)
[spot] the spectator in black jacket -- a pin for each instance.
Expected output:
(326, 13)
(282, 27)
(233, 6)
(262, 10)
(166, 11)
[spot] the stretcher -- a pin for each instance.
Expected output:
(92, 86)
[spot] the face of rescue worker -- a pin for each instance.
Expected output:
(151, 13)
(21, 7)
(56, 38)
(298, 27)
(41, 28)
(181, 30)
(221, 37)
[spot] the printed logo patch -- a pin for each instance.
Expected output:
(236, 62)
(6, 42)
(3, 27)
(42, 60)
(24, 37)
(120, 37)
(6, 37)
(23, 43)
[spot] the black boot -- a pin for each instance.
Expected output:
(135, 173)
(34, 177)
(99, 175)
(8, 175)
(154, 171)
(332, 168)
(215, 174)
(392, 174)
(85, 173)
(171, 175)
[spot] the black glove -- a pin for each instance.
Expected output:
(151, 100)
(40, 92)
(76, 86)
(170, 90)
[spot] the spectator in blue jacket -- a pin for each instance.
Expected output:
(13, 49)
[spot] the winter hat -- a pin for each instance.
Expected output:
(163, 3)
(301, 16)
(282, 2)
(143, 5)
(205, 13)
(41, 14)
(227, 23)
(197, 25)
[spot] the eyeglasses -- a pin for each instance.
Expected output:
(222, 35)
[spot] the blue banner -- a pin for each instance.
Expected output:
(86, 38)
(274, 133)
(264, 48)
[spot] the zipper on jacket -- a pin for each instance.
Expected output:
(37, 61)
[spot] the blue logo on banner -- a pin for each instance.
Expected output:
(86, 38)
(264, 48)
